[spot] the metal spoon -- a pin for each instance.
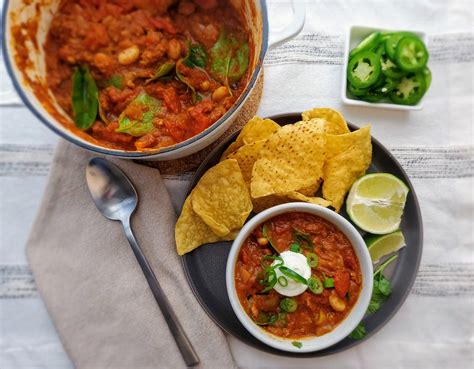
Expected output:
(116, 198)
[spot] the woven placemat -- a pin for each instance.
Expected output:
(190, 163)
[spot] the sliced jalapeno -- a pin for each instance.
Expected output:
(389, 68)
(357, 91)
(410, 89)
(364, 69)
(392, 42)
(367, 44)
(411, 54)
(427, 74)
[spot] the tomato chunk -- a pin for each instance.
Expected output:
(342, 282)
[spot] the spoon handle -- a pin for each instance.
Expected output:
(185, 347)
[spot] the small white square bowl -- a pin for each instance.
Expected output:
(354, 36)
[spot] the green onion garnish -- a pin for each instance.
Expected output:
(288, 304)
(312, 259)
(315, 285)
(282, 281)
(303, 240)
(292, 274)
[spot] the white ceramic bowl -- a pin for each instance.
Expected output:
(356, 314)
(354, 36)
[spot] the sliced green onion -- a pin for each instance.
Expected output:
(315, 285)
(288, 304)
(312, 259)
(292, 274)
(328, 282)
(264, 318)
(274, 257)
(269, 281)
(303, 240)
(295, 247)
(282, 281)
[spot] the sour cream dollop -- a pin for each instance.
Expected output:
(297, 262)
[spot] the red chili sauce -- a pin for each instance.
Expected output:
(337, 264)
(199, 50)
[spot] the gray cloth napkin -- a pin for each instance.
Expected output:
(92, 285)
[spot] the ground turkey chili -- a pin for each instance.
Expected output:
(146, 74)
(333, 278)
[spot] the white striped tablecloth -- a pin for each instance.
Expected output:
(435, 327)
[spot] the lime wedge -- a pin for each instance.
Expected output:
(380, 246)
(376, 201)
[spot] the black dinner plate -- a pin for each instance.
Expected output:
(205, 267)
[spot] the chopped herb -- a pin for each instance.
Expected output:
(297, 344)
(380, 293)
(358, 332)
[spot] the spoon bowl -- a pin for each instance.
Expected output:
(111, 190)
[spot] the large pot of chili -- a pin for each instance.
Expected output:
(150, 79)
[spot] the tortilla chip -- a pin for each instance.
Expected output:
(335, 122)
(291, 159)
(262, 203)
(349, 157)
(221, 198)
(191, 232)
(246, 157)
(256, 129)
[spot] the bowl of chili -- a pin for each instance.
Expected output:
(156, 80)
(299, 277)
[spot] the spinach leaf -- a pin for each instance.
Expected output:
(84, 98)
(197, 56)
(116, 80)
(149, 107)
(229, 58)
(185, 61)
(162, 71)
(240, 63)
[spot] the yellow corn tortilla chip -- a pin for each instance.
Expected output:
(265, 202)
(221, 198)
(291, 159)
(335, 144)
(347, 162)
(335, 122)
(246, 157)
(310, 190)
(191, 232)
(256, 129)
